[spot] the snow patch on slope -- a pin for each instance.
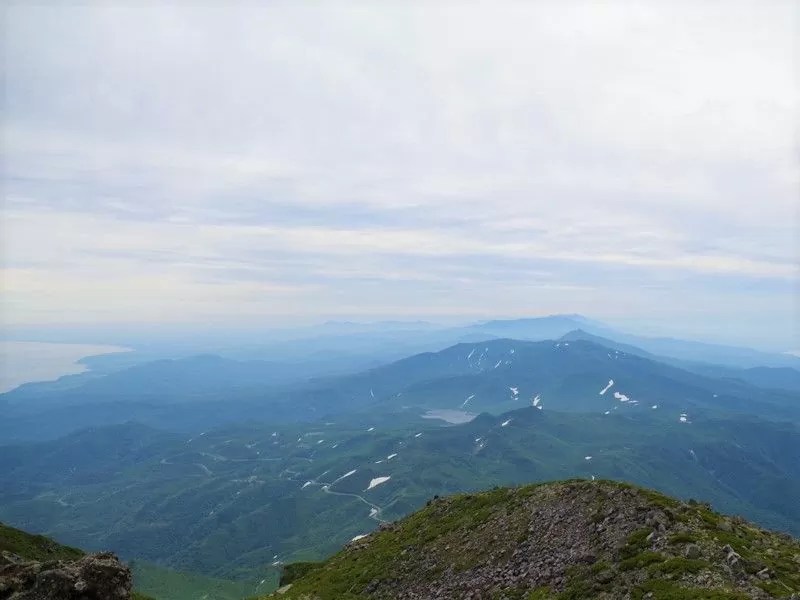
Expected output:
(345, 475)
(377, 481)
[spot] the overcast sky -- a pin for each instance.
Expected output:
(299, 161)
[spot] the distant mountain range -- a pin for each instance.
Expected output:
(493, 375)
(222, 467)
(351, 346)
(559, 325)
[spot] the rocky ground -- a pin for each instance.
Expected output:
(565, 540)
(92, 577)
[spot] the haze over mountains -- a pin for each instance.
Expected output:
(229, 465)
(323, 237)
(289, 374)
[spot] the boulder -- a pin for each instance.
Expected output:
(92, 577)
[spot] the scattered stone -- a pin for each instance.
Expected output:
(605, 576)
(692, 551)
(92, 577)
(600, 538)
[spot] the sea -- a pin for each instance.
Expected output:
(25, 362)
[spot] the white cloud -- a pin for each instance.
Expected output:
(296, 148)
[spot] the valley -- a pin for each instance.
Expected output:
(295, 470)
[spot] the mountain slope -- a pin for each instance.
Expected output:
(502, 374)
(165, 381)
(497, 375)
(532, 329)
(555, 326)
(689, 350)
(16, 544)
(34, 547)
(234, 500)
(564, 540)
(786, 378)
(35, 566)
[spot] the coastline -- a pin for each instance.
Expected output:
(24, 362)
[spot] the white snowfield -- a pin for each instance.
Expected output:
(608, 387)
(504, 423)
(377, 481)
(359, 537)
(345, 475)
(621, 397)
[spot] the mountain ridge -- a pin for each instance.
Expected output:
(565, 540)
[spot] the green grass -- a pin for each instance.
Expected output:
(641, 560)
(41, 548)
(444, 529)
(34, 547)
(294, 571)
(682, 538)
(668, 590)
(679, 565)
(220, 524)
(166, 584)
(636, 543)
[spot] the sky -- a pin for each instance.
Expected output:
(291, 162)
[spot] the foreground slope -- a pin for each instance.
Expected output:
(565, 540)
(17, 543)
(35, 567)
(24, 555)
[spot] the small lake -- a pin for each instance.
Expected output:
(455, 417)
(26, 362)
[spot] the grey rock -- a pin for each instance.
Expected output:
(605, 576)
(93, 577)
(692, 551)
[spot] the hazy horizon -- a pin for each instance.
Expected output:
(209, 334)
